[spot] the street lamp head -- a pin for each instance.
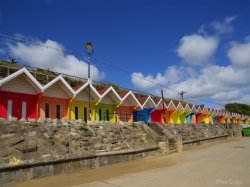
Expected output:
(89, 46)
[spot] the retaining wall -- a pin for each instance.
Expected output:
(24, 172)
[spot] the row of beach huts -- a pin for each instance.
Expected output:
(23, 97)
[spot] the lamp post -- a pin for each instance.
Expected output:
(163, 107)
(89, 49)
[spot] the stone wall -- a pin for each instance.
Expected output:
(35, 142)
(195, 132)
(232, 129)
(36, 149)
(183, 136)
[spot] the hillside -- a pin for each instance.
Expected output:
(238, 108)
(43, 76)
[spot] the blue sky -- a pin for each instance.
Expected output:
(176, 43)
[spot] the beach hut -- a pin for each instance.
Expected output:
(54, 102)
(148, 106)
(19, 93)
(186, 113)
(170, 108)
(191, 117)
(129, 104)
(216, 115)
(199, 115)
(105, 108)
(177, 114)
(79, 106)
(160, 113)
(221, 116)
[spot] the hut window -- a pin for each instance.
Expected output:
(24, 109)
(9, 107)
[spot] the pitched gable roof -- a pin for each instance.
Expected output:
(126, 94)
(170, 105)
(29, 76)
(79, 86)
(65, 87)
(146, 102)
(92, 90)
(104, 92)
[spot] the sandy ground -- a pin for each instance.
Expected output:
(219, 164)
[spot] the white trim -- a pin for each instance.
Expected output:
(171, 102)
(199, 108)
(84, 86)
(187, 110)
(160, 102)
(113, 90)
(19, 72)
(131, 93)
(149, 97)
(181, 106)
(193, 108)
(55, 80)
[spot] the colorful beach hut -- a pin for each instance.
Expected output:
(54, 102)
(187, 111)
(221, 116)
(105, 108)
(19, 93)
(170, 108)
(216, 115)
(160, 113)
(148, 106)
(199, 115)
(191, 117)
(79, 106)
(176, 115)
(129, 104)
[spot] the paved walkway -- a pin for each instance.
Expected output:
(221, 164)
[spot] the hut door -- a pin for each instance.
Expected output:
(76, 112)
(46, 110)
(100, 114)
(58, 112)
(107, 114)
(85, 114)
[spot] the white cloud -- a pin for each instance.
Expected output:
(230, 95)
(214, 84)
(239, 54)
(197, 49)
(172, 75)
(47, 58)
(220, 83)
(225, 26)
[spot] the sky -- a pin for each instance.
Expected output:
(200, 47)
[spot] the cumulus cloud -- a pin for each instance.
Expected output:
(225, 26)
(239, 54)
(172, 75)
(46, 58)
(220, 83)
(230, 95)
(196, 49)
